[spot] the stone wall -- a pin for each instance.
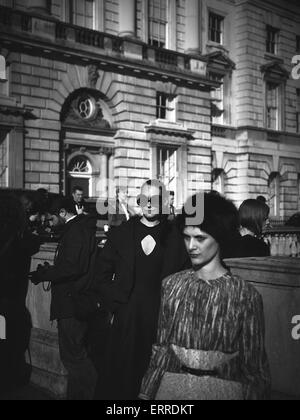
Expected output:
(277, 280)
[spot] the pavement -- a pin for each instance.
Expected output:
(26, 393)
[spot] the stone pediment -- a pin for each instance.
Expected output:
(163, 131)
(220, 59)
(275, 70)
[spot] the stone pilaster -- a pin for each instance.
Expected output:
(127, 18)
(193, 18)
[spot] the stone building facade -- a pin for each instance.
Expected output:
(196, 92)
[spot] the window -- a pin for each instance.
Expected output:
(273, 122)
(298, 44)
(3, 160)
(2, 68)
(158, 21)
(4, 73)
(218, 100)
(87, 108)
(272, 40)
(80, 174)
(165, 107)
(167, 166)
(80, 13)
(9, 3)
(216, 28)
(274, 194)
(298, 111)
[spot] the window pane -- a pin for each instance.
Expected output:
(166, 167)
(216, 28)
(298, 44)
(157, 22)
(3, 161)
(272, 40)
(272, 106)
(298, 111)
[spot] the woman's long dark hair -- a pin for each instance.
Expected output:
(12, 221)
(253, 214)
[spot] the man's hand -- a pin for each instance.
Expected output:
(37, 276)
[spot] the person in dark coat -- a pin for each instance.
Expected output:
(79, 201)
(69, 276)
(122, 211)
(17, 245)
(135, 259)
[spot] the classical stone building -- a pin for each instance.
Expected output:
(196, 92)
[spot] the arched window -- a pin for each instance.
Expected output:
(80, 165)
(80, 174)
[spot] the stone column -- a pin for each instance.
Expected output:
(38, 6)
(193, 18)
(127, 18)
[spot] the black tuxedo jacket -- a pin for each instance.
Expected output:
(115, 271)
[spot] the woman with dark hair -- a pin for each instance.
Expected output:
(253, 215)
(210, 342)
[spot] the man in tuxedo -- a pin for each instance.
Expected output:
(136, 258)
(79, 203)
(69, 276)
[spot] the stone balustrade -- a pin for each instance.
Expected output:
(284, 241)
(129, 47)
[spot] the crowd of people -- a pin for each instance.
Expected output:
(156, 313)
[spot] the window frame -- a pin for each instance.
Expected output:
(166, 107)
(297, 43)
(4, 170)
(275, 200)
(212, 30)
(280, 122)
(169, 178)
(69, 14)
(160, 22)
(269, 107)
(272, 44)
(298, 111)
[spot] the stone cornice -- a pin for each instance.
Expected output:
(158, 128)
(46, 37)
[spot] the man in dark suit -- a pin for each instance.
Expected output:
(136, 258)
(79, 202)
(121, 212)
(69, 276)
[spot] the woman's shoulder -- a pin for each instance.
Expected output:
(245, 289)
(176, 277)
